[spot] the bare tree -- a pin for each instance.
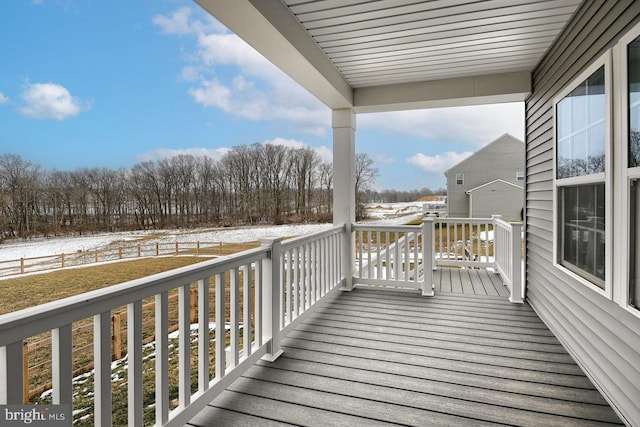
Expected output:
(19, 181)
(303, 164)
(249, 184)
(274, 170)
(366, 174)
(326, 185)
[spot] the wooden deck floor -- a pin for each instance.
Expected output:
(374, 357)
(468, 281)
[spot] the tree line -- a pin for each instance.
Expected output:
(250, 184)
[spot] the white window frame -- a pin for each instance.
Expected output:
(459, 179)
(624, 175)
(519, 176)
(604, 60)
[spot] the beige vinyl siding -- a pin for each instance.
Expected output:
(602, 336)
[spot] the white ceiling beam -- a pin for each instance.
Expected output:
(477, 90)
(269, 27)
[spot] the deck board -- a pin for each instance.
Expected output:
(498, 285)
(467, 286)
(478, 286)
(456, 281)
(380, 357)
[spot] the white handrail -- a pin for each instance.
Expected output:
(288, 279)
(463, 242)
(394, 256)
(508, 256)
(261, 320)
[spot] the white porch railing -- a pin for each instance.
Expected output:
(508, 256)
(255, 297)
(258, 294)
(463, 242)
(395, 256)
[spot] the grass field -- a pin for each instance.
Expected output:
(36, 289)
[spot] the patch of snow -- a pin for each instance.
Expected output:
(381, 213)
(58, 245)
(194, 327)
(486, 235)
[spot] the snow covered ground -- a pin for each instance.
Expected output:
(396, 214)
(392, 210)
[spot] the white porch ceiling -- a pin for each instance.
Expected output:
(375, 55)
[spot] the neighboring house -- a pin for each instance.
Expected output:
(488, 182)
(497, 197)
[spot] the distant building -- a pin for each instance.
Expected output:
(489, 182)
(437, 207)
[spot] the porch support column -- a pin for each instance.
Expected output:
(344, 183)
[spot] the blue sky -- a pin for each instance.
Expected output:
(92, 83)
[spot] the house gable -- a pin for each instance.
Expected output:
(490, 149)
(497, 197)
(498, 182)
(501, 160)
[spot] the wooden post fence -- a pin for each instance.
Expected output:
(82, 257)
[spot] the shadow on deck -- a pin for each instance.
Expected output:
(375, 357)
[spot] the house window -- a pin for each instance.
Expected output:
(459, 179)
(633, 64)
(582, 211)
(631, 177)
(519, 176)
(581, 190)
(580, 130)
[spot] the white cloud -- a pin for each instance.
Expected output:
(439, 163)
(167, 153)
(325, 153)
(228, 74)
(191, 74)
(182, 22)
(478, 125)
(290, 143)
(50, 101)
(3, 98)
(385, 160)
